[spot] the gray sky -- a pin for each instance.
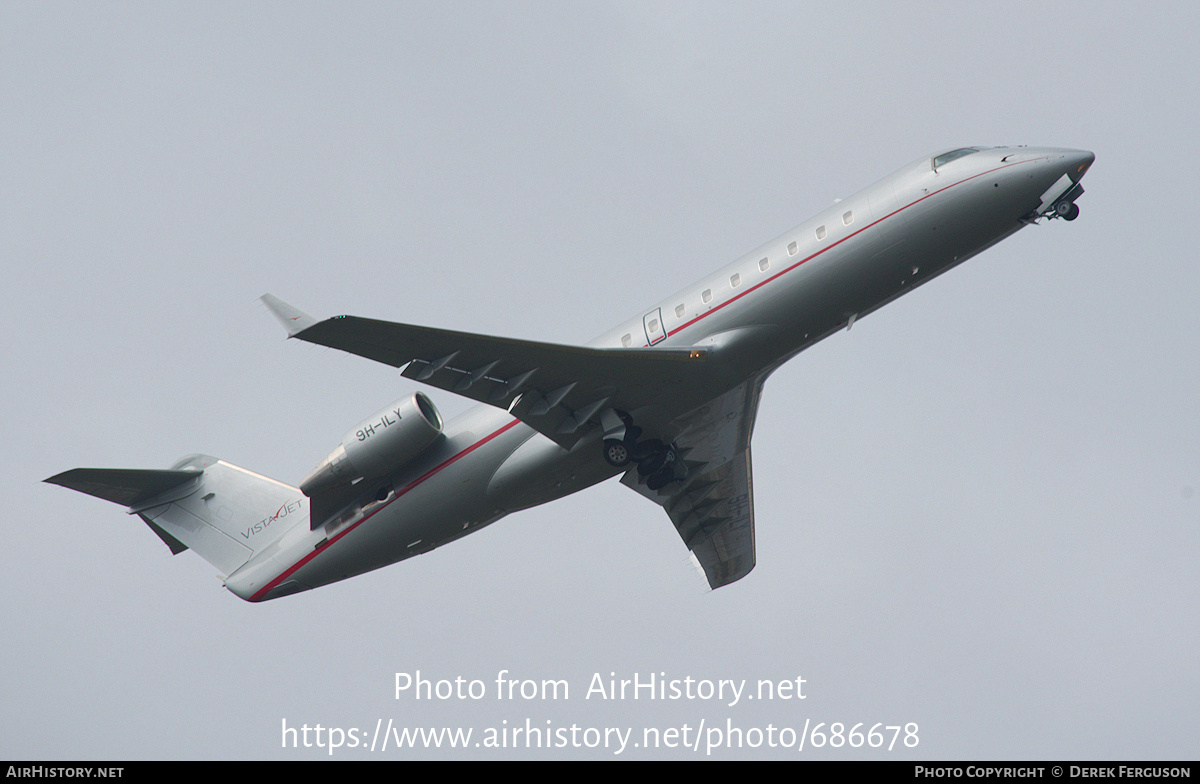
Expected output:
(976, 512)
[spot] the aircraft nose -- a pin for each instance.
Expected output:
(1062, 173)
(1077, 163)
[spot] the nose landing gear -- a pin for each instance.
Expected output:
(1065, 207)
(1067, 210)
(1058, 202)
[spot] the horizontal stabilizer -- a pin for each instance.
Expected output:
(176, 546)
(125, 486)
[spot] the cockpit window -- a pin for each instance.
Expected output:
(946, 157)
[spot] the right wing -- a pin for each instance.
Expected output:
(712, 508)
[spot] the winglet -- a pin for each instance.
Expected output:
(293, 319)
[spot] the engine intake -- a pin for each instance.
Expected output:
(379, 445)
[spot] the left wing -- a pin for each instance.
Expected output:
(558, 390)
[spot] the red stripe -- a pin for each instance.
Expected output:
(782, 272)
(258, 596)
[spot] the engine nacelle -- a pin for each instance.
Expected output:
(379, 445)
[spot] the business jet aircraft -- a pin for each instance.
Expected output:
(666, 398)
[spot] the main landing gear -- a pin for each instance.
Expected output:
(617, 453)
(658, 464)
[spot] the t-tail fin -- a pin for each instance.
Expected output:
(224, 513)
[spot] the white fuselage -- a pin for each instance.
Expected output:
(755, 313)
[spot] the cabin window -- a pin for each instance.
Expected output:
(848, 217)
(706, 296)
(679, 310)
(626, 340)
(793, 248)
(820, 232)
(653, 325)
(764, 265)
(735, 280)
